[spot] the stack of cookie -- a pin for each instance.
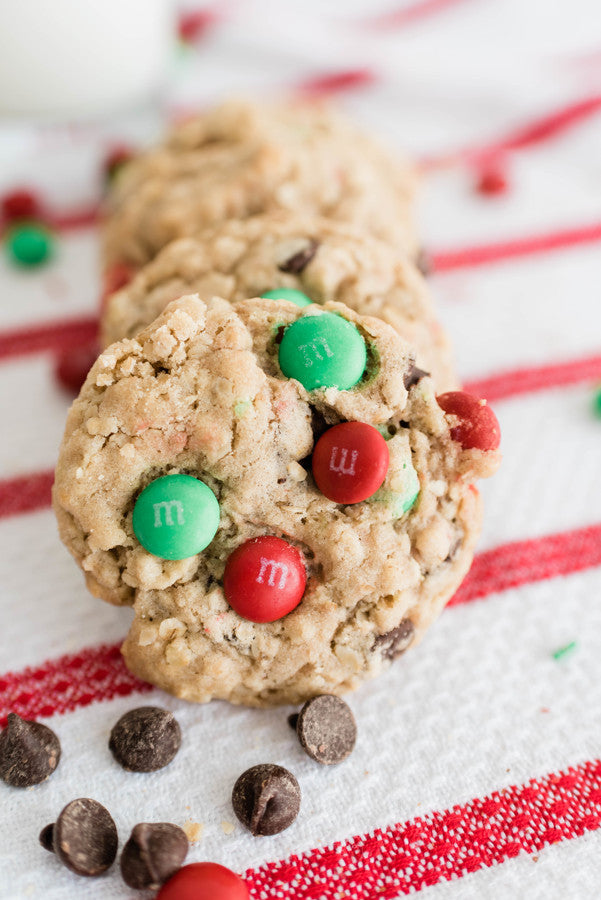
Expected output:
(270, 461)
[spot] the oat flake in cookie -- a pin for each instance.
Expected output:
(324, 260)
(200, 392)
(240, 159)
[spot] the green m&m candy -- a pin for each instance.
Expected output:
(290, 294)
(176, 516)
(29, 244)
(323, 351)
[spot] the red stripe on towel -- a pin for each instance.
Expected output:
(479, 255)
(25, 493)
(59, 335)
(531, 379)
(446, 844)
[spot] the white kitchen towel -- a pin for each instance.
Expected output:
(476, 773)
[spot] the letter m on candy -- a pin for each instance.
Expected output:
(274, 568)
(167, 506)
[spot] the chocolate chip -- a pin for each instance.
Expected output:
(292, 720)
(413, 375)
(423, 261)
(145, 739)
(456, 544)
(326, 729)
(266, 799)
(300, 260)
(153, 853)
(85, 837)
(47, 837)
(319, 424)
(395, 642)
(29, 752)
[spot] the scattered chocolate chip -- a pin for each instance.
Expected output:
(266, 799)
(413, 375)
(423, 261)
(145, 739)
(85, 837)
(292, 720)
(395, 642)
(326, 729)
(300, 260)
(47, 837)
(29, 752)
(153, 853)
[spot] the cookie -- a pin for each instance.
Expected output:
(326, 261)
(213, 394)
(241, 159)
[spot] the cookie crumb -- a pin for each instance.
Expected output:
(228, 827)
(193, 830)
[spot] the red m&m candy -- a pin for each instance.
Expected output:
(477, 427)
(264, 579)
(350, 462)
(21, 204)
(492, 180)
(204, 881)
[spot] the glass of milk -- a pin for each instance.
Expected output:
(78, 77)
(82, 58)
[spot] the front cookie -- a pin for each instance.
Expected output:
(234, 402)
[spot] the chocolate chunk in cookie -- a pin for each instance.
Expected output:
(396, 641)
(424, 263)
(299, 261)
(413, 375)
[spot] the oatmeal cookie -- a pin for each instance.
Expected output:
(226, 403)
(326, 261)
(241, 159)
